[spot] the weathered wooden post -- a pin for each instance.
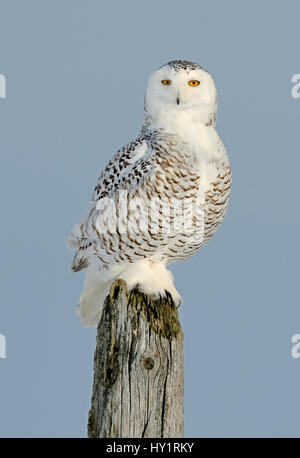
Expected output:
(138, 368)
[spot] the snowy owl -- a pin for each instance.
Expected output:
(161, 197)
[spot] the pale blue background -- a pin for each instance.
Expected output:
(76, 73)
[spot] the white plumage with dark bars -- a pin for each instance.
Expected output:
(161, 197)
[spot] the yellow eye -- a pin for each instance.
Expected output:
(194, 83)
(166, 82)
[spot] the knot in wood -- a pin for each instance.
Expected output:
(148, 363)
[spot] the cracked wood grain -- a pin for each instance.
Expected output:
(138, 368)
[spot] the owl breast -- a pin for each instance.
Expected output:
(193, 192)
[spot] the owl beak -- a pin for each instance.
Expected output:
(178, 99)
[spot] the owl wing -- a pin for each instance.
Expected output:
(130, 168)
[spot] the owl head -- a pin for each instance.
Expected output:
(181, 88)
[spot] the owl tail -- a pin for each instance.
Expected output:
(79, 262)
(91, 301)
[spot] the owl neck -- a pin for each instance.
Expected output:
(184, 122)
(176, 120)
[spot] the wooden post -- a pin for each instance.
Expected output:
(138, 368)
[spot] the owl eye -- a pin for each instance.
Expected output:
(167, 82)
(194, 83)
